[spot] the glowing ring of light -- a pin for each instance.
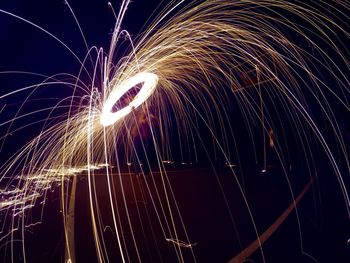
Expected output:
(149, 81)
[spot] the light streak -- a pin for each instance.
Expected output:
(249, 250)
(149, 83)
(181, 243)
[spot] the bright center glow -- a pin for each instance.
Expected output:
(149, 81)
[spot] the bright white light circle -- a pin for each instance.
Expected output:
(149, 81)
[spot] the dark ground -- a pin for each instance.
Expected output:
(206, 218)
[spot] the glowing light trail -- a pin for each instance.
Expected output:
(149, 81)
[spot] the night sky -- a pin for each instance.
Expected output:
(203, 189)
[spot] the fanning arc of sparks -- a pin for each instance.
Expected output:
(193, 62)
